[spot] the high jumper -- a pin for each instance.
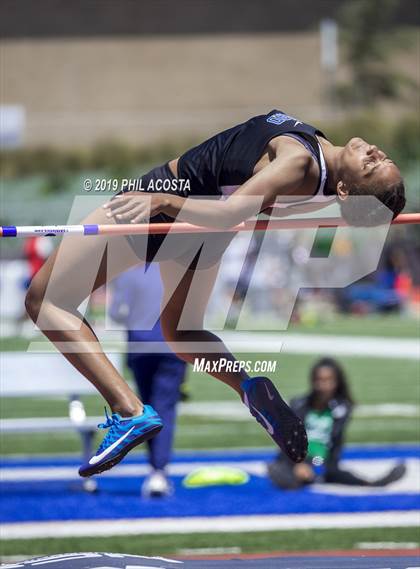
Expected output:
(272, 163)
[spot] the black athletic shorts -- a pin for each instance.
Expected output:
(194, 251)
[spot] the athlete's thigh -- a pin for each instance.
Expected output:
(81, 264)
(186, 295)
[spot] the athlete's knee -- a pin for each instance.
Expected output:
(40, 295)
(33, 301)
(172, 337)
(169, 330)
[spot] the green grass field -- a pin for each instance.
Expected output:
(168, 544)
(374, 381)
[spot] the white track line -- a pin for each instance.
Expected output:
(290, 343)
(335, 345)
(224, 524)
(370, 469)
(216, 410)
(233, 410)
(37, 473)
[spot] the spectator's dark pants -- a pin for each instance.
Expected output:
(158, 379)
(282, 475)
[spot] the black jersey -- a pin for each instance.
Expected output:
(227, 160)
(217, 167)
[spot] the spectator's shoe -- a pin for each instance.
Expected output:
(281, 474)
(123, 435)
(157, 485)
(281, 423)
(395, 474)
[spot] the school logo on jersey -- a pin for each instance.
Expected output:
(280, 118)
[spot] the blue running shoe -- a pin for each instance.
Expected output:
(281, 423)
(123, 435)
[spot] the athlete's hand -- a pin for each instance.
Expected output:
(136, 207)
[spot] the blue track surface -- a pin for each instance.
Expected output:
(119, 496)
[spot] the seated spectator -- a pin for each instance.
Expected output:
(326, 410)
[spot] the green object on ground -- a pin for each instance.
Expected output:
(215, 476)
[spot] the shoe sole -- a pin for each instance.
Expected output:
(108, 464)
(290, 435)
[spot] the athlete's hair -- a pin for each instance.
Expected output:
(342, 390)
(362, 213)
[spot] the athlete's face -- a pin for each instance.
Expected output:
(325, 382)
(364, 165)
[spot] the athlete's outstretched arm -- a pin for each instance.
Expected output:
(280, 179)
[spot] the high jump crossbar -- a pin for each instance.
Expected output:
(184, 228)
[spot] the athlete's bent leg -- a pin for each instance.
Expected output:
(186, 294)
(182, 321)
(73, 271)
(79, 266)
